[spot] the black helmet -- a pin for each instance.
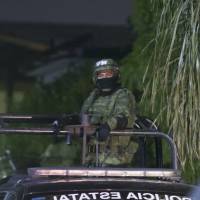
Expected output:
(106, 75)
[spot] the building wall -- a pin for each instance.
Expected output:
(67, 11)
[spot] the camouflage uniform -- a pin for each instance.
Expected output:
(111, 107)
(106, 109)
(120, 103)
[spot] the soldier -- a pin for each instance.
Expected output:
(109, 106)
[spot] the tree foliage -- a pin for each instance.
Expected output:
(174, 88)
(164, 66)
(134, 64)
(65, 95)
(175, 78)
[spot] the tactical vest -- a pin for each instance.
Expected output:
(118, 149)
(101, 108)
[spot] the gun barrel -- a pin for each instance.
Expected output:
(32, 131)
(63, 118)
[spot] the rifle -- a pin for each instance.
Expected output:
(72, 125)
(65, 119)
(56, 125)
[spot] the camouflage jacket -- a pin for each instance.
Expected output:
(106, 109)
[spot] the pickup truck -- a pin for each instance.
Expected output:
(160, 181)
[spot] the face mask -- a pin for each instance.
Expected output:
(106, 84)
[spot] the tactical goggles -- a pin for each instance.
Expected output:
(106, 73)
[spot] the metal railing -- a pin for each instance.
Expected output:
(75, 130)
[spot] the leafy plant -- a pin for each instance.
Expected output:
(174, 89)
(66, 95)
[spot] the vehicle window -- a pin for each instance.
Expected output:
(104, 195)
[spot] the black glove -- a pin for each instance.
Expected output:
(122, 122)
(103, 132)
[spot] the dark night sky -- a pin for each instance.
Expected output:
(66, 11)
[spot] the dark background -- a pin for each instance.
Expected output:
(36, 34)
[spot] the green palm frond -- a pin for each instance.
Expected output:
(175, 68)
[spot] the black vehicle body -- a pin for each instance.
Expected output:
(98, 183)
(94, 188)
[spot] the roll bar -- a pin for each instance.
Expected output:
(74, 129)
(71, 119)
(168, 139)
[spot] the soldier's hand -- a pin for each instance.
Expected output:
(103, 132)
